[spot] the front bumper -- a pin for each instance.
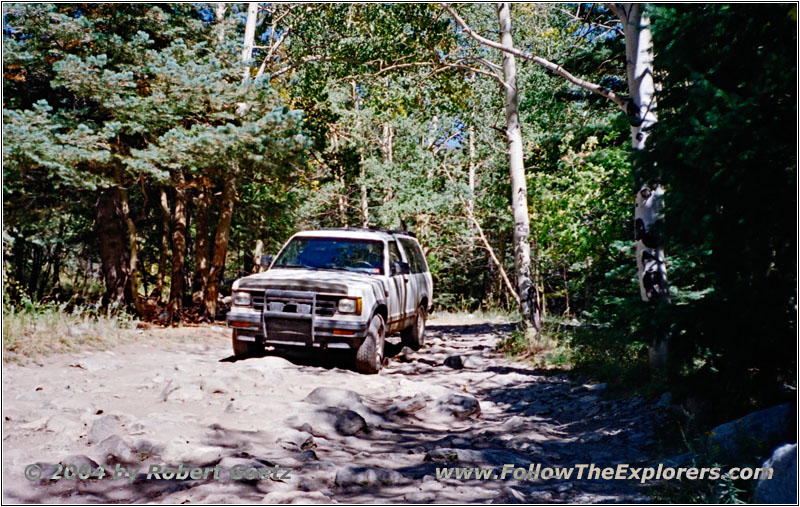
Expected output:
(253, 325)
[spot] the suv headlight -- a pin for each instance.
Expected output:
(241, 298)
(349, 305)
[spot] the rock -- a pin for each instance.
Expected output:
(79, 460)
(454, 362)
(344, 399)
(406, 354)
(333, 397)
(446, 454)
(408, 406)
(459, 406)
(145, 449)
(296, 497)
(295, 440)
(323, 421)
(512, 424)
(597, 387)
(366, 476)
(498, 457)
(756, 432)
(665, 400)
(179, 450)
(782, 487)
(115, 450)
(420, 497)
(103, 428)
(470, 362)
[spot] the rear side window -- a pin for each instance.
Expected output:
(415, 257)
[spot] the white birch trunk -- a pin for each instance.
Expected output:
(649, 198)
(471, 180)
(249, 37)
(529, 306)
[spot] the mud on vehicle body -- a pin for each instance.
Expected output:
(336, 288)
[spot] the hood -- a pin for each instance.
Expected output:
(332, 282)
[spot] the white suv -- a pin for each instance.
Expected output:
(335, 288)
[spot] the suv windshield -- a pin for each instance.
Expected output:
(333, 253)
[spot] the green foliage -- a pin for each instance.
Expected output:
(725, 147)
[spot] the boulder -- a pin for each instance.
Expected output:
(459, 406)
(406, 354)
(324, 421)
(103, 428)
(782, 487)
(344, 399)
(755, 433)
(295, 440)
(366, 476)
(497, 457)
(333, 397)
(115, 450)
(454, 362)
(445, 454)
(79, 460)
(408, 406)
(296, 497)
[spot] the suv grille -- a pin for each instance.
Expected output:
(326, 303)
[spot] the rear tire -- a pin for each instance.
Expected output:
(369, 357)
(242, 349)
(414, 336)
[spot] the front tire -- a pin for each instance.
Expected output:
(243, 349)
(369, 357)
(414, 336)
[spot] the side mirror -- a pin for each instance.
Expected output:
(400, 268)
(265, 261)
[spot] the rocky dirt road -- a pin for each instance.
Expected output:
(347, 437)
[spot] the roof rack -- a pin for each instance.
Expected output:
(369, 229)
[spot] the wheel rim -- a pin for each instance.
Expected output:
(420, 324)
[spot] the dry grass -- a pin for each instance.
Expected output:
(46, 329)
(496, 317)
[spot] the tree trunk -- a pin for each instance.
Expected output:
(249, 37)
(178, 248)
(222, 236)
(114, 254)
(471, 176)
(220, 15)
(220, 245)
(201, 239)
(649, 198)
(529, 305)
(257, 256)
(341, 200)
(362, 170)
(164, 257)
(133, 255)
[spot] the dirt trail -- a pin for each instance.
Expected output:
(360, 438)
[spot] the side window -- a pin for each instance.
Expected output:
(415, 258)
(394, 254)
